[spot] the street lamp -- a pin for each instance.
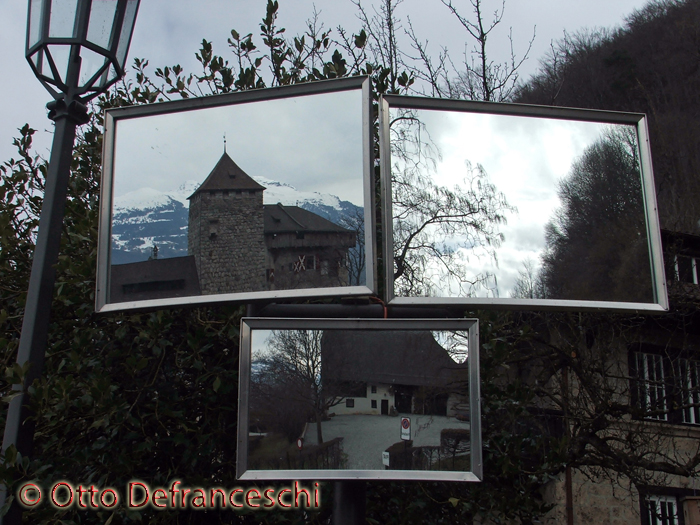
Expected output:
(77, 49)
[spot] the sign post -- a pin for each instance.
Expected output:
(406, 428)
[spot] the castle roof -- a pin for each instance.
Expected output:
(400, 357)
(284, 219)
(227, 175)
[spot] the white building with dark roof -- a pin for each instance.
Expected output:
(390, 372)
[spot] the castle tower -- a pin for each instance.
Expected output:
(225, 232)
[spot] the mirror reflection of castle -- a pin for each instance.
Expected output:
(237, 244)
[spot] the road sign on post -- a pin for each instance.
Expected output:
(406, 428)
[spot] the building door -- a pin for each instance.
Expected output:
(385, 407)
(403, 399)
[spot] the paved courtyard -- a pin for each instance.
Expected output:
(365, 437)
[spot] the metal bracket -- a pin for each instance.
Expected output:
(74, 110)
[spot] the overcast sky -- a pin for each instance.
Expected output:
(289, 140)
(170, 31)
(525, 158)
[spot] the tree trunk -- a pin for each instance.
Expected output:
(319, 431)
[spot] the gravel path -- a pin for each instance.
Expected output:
(365, 437)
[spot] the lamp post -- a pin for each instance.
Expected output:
(77, 49)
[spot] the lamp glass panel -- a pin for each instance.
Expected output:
(91, 63)
(60, 55)
(35, 22)
(38, 60)
(63, 19)
(107, 77)
(101, 22)
(125, 35)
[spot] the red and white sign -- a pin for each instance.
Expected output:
(406, 428)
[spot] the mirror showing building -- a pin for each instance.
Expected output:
(253, 193)
(379, 398)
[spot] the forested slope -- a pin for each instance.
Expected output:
(651, 65)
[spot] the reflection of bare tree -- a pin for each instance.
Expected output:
(355, 222)
(597, 247)
(272, 409)
(456, 343)
(528, 285)
(432, 223)
(289, 373)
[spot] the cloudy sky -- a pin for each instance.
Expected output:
(289, 140)
(525, 158)
(170, 31)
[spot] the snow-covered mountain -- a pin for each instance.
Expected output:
(146, 218)
(327, 206)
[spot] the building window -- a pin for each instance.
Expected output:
(350, 403)
(651, 385)
(374, 403)
(305, 263)
(664, 381)
(311, 262)
(689, 377)
(661, 510)
(686, 269)
(374, 389)
(213, 228)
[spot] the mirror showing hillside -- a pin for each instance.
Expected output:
(515, 205)
(263, 196)
(374, 399)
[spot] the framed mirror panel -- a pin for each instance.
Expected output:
(359, 399)
(254, 195)
(515, 206)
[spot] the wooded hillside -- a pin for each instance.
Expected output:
(651, 65)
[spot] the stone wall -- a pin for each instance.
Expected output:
(594, 503)
(600, 501)
(227, 239)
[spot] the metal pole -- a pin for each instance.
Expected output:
(349, 502)
(19, 428)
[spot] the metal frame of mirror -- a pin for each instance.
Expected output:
(482, 207)
(282, 214)
(323, 421)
